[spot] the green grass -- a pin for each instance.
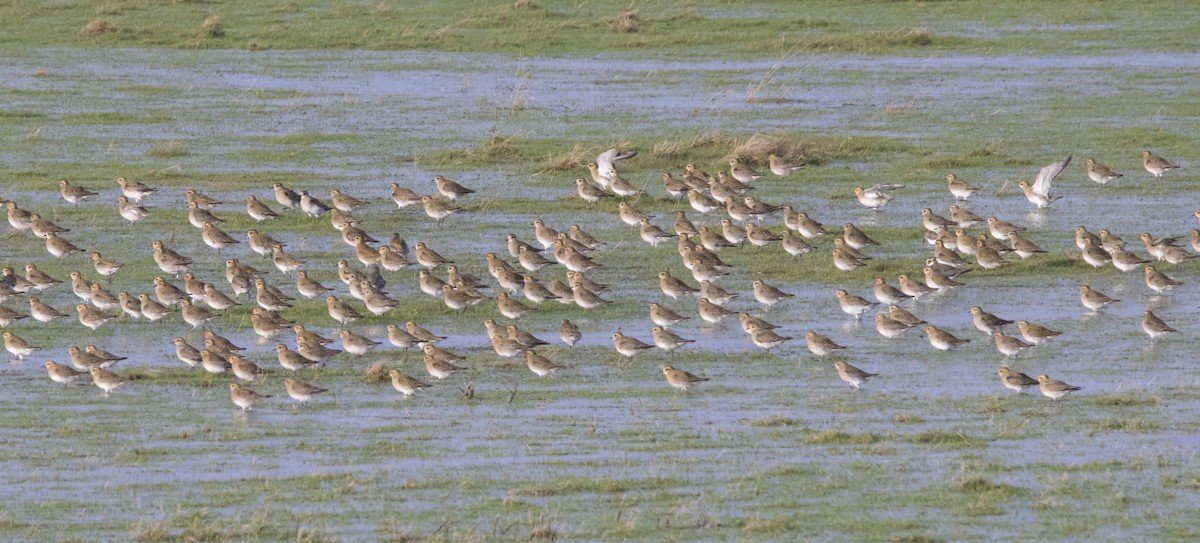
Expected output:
(1126, 399)
(115, 118)
(553, 27)
(462, 26)
(316, 138)
(1135, 426)
(839, 437)
(168, 149)
(21, 115)
(775, 422)
(707, 147)
(573, 485)
(976, 158)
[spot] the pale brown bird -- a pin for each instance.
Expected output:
(134, 190)
(258, 210)
(782, 167)
(244, 397)
(1015, 380)
(452, 190)
(74, 193)
(851, 374)
(62, 373)
(681, 379)
(301, 391)
(1053, 388)
(1100, 173)
(406, 384)
(438, 209)
(1157, 165)
(404, 196)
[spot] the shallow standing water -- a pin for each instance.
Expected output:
(934, 448)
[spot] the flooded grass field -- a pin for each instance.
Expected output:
(775, 446)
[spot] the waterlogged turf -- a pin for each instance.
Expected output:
(513, 101)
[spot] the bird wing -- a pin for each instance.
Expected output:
(1041, 184)
(606, 161)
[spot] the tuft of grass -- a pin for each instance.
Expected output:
(984, 497)
(402, 535)
(823, 149)
(574, 485)
(97, 27)
(8, 524)
(494, 149)
(213, 26)
(1128, 425)
(710, 147)
(382, 8)
(946, 439)
(1125, 399)
(876, 42)
(775, 422)
(520, 93)
(682, 149)
(758, 146)
(983, 157)
(627, 22)
(149, 531)
(377, 372)
(543, 531)
(834, 437)
(980, 485)
(315, 138)
(572, 159)
(907, 418)
(168, 149)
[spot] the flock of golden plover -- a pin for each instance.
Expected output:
(200, 302)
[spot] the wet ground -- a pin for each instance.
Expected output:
(774, 446)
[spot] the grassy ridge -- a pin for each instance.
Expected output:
(546, 27)
(461, 26)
